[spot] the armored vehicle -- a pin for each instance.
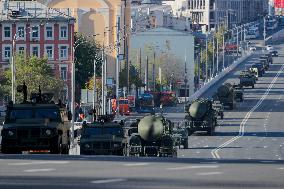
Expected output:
(260, 68)
(36, 125)
(181, 137)
(254, 72)
(201, 116)
(154, 138)
(268, 56)
(239, 93)
(219, 108)
(247, 79)
(265, 62)
(226, 95)
(103, 137)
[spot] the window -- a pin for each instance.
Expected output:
(63, 52)
(7, 52)
(49, 32)
(49, 52)
(35, 33)
(21, 31)
(63, 32)
(63, 73)
(7, 31)
(35, 50)
(21, 50)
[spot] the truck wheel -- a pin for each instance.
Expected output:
(64, 149)
(253, 86)
(5, 150)
(185, 144)
(222, 115)
(54, 145)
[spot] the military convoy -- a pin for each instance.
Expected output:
(35, 125)
(247, 79)
(201, 116)
(226, 95)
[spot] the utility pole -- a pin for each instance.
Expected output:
(213, 64)
(206, 63)
(154, 73)
(117, 67)
(146, 74)
(264, 30)
(185, 80)
(217, 58)
(237, 42)
(95, 87)
(13, 71)
(224, 50)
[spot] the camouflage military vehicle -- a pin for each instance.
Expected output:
(201, 116)
(247, 79)
(181, 137)
(226, 95)
(260, 68)
(154, 138)
(219, 108)
(254, 72)
(103, 137)
(36, 125)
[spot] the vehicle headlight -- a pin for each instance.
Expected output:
(87, 146)
(10, 133)
(48, 132)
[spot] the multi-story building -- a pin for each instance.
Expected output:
(36, 30)
(100, 17)
(210, 13)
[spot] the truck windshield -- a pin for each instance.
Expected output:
(93, 131)
(52, 114)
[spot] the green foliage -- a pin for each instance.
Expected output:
(34, 72)
(133, 77)
(86, 52)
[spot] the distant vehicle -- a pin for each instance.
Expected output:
(239, 93)
(252, 48)
(181, 137)
(124, 106)
(274, 53)
(231, 48)
(259, 67)
(103, 138)
(268, 56)
(146, 104)
(247, 79)
(271, 24)
(225, 94)
(269, 47)
(265, 62)
(168, 99)
(219, 108)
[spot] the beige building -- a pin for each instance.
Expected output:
(99, 17)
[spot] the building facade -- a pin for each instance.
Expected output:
(209, 14)
(100, 17)
(33, 29)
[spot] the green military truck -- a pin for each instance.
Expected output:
(154, 137)
(239, 93)
(201, 116)
(247, 79)
(36, 125)
(219, 108)
(265, 62)
(226, 95)
(267, 56)
(103, 137)
(180, 135)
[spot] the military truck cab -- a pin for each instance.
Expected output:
(37, 125)
(247, 79)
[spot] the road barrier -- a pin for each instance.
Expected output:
(213, 81)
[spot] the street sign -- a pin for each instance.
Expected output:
(120, 57)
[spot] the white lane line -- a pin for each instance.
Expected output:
(38, 170)
(107, 181)
(280, 168)
(214, 152)
(209, 173)
(193, 167)
(267, 161)
(135, 164)
(39, 163)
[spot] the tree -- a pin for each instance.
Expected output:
(86, 52)
(34, 72)
(133, 77)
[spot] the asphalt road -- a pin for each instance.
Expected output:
(245, 152)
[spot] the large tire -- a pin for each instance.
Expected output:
(252, 86)
(64, 149)
(55, 145)
(185, 144)
(222, 115)
(5, 150)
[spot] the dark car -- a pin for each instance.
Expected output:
(274, 53)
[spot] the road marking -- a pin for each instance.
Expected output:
(214, 152)
(135, 164)
(39, 163)
(267, 161)
(209, 173)
(107, 181)
(38, 170)
(281, 168)
(193, 167)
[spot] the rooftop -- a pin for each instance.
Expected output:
(23, 10)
